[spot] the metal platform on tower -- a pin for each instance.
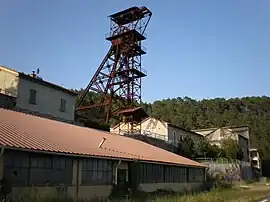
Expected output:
(130, 15)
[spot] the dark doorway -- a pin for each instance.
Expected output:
(121, 177)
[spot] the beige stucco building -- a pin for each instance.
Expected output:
(238, 133)
(159, 129)
(30, 93)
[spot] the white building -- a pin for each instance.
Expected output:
(153, 127)
(31, 94)
(238, 133)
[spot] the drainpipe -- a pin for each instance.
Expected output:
(77, 180)
(205, 174)
(2, 151)
(116, 169)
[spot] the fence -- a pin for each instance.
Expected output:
(223, 161)
(150, 134)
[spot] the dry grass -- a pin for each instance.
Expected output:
(232, 195)
(251, 193)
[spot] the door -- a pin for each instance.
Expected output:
(121, 177)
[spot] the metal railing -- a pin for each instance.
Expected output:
(222, 161)
(154, 135)
(144, 71)
(120, 30)
(143, 48)
(149, 134)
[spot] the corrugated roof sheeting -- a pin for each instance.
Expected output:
(18, 130)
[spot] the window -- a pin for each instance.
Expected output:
(62, 170)
(41, 162)
(174, 174)
(35, 169)
(63, 105)
(151, 173)
(33, 96)
(16, 168)
(253, 154)
(196, 175)
(60, 163)
(174, 136)
(97, 172)
(50, 170)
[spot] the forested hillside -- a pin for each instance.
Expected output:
(192, 114)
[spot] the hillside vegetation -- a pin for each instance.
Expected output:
(191, 114)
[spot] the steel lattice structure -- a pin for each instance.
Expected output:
(118, 78)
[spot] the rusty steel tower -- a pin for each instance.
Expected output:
(118, 78)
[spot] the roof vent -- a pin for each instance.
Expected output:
(102, 142)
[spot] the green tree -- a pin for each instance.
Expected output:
(206, 150)
(186, 147)
(231, 148)
(191, 114)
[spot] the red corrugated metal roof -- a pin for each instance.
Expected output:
(128, 110)
(18, 130)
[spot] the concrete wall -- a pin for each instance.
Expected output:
(215, 136)
(155, 126)
(47, 100)
(231, 171)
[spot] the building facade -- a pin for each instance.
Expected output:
(31, 94)
(91, 177)
(79, 162)
(239, 133)
(155, 128)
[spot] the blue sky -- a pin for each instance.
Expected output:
(200, 49)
